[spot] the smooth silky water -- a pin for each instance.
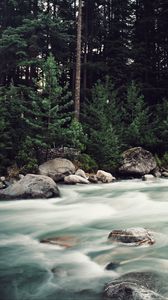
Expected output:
(87, 213)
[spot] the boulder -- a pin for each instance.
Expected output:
(31, 187)
(134, 236)
(57, 168)
(148, 177)
(134, 286)
(63, 241)
(104, 177)
(73, 179)
(93, 178)
(81, 173)
(137, 162)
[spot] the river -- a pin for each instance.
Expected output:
(30, 270)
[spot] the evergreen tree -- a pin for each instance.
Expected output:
(103, 141)
(136, 127)
(47, 111)
(11, 125)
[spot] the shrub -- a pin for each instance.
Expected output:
(87, 163)
(165, 159)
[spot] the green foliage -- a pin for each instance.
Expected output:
(103, 142)
(158, 160)
(47, 113)
(165, 159)
(137, 130)
(26, 157)
(76, 136)
(35, 96)
(87, 163)
(10, 125)
(160, 126)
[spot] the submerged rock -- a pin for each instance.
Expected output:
(104, 177)
(137, 162)
(73, 179)
(31, 187)
(134, 236)
(134, 286)
(112, 266)
(57, 168)
(63, 241)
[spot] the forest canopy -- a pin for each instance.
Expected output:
(123, 79)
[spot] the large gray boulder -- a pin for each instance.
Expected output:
(57, 168)
(31, 187)
(137, 161)
(134, 286)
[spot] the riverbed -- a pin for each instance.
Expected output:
(30, 270)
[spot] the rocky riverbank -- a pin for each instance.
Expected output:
(136, 162)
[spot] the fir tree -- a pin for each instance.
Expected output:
(103, 141)
(136, 127)
(47, 111)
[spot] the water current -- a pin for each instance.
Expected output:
(30, 270)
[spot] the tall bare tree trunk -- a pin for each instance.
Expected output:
(78, 62)
(85, 51)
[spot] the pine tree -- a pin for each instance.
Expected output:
(11, 125)
(47, 111)
(136, 127)
(103, 141)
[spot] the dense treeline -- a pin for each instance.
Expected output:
(124, 75)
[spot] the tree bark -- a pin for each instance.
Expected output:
(78, 62)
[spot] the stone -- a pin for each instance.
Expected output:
(129, 291)
(104, 177)
(148, 177)
(2, 178)
(157, 174)
(73, 179)
(134, 286)
(134, 236)
(137, 162)
(165, 174)
(57, 168)
(63, 241)
(31, 187)
(81, 173)
(2, 185)
(93, 178)
(112, 266)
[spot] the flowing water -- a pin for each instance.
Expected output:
(30, 270)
